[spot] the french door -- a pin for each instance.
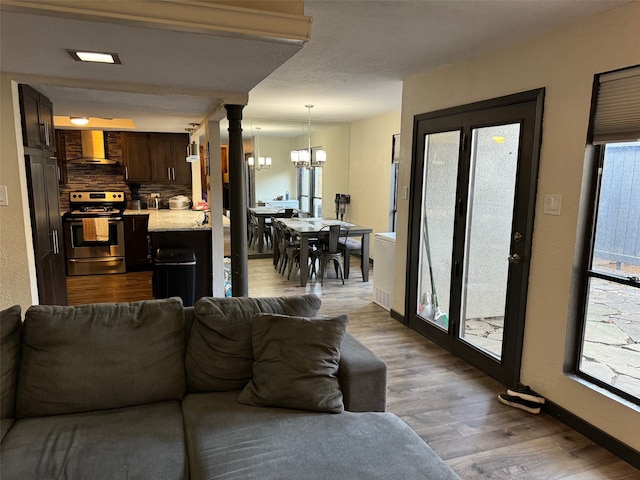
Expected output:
(474, 175)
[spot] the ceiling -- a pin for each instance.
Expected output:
(352, 68)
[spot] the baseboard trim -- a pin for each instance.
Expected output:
(606, 441)
(397, 316)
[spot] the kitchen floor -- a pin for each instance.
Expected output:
(126, 287)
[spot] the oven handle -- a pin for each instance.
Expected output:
(92, 260)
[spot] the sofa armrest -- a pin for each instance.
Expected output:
(363, 378)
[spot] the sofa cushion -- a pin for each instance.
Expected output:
(219, 355)
(10, 337)
(226, 439)
(143, 442)
(296, 363)
(98, 356)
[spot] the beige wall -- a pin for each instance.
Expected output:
(370, 171)
(564, 63)
(275, 181)
(17, 271)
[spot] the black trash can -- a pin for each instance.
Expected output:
(176, 274)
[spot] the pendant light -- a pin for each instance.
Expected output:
(308, 158)
(263, 162)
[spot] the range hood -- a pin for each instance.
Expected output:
(93, 151)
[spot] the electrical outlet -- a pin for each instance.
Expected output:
(4, 197)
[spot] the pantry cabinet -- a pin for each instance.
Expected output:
(37, 119)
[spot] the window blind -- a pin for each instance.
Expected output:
(617, 117)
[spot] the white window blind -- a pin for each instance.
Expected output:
(617, 116)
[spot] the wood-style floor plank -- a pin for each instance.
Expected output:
(449, 403)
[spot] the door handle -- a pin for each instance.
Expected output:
(514, 258)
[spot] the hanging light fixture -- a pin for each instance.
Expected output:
(308, 158)
(192, 148)
(263, 162)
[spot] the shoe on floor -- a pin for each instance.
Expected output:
(517, 402)
(526, 393)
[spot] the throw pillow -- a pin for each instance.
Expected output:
(296, 363)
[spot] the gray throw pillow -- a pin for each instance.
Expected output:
(296, 363)
(10, 337)
(219, 355)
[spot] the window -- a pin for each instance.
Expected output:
(609, 345)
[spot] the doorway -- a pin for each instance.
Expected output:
(474, 175)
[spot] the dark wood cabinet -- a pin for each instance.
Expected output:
(61, 156)
(135, 157)
(137, 242)
(46, 224)
(37, 119)
(155, 157)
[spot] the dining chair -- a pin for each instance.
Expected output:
(347, 245)
(328, 251)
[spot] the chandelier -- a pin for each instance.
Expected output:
(263, 162)
(308, 158)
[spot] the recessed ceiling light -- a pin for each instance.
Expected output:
(79, 120)
(95, 57)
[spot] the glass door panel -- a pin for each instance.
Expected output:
(440, 175)
(492, 182)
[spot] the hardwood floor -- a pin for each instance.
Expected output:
(450, 404)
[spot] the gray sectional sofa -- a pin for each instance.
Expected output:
(232, 388)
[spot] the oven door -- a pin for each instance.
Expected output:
(97, 250)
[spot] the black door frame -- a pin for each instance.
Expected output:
(507, 370)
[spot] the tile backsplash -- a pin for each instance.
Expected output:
(109, 177)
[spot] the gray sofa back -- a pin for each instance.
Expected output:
(219, 354)
(100, 356)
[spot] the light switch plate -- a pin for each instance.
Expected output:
(405, 192)
(552, 204)
(4, 197)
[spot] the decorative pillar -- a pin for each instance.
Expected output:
(237, 204)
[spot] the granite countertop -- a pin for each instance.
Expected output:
(174, 220)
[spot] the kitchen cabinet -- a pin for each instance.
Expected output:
(136, 242)
(135, 157)
(43, 176)
(155, 157)
(37, 119)
(168, 153)
(61, 157)
(46, 224)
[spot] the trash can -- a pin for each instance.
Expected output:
(176, 274)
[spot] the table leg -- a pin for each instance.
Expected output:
(365, 257)
(304, 260)
(260, 234)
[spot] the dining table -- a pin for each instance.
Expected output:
(309, 228)
(265, 213)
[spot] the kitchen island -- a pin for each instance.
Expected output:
(169, 229)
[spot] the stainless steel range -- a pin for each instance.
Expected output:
(94, 233)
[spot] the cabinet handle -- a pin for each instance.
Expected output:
(169, 172)
(47, 142)
(126, 172)
(54, 239)
(133, 224)
(173, 171)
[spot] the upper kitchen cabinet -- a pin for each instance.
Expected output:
(168, 153)
(155, 157)
(135, 157)
(37, 119)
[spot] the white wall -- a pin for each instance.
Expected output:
(17, 268)
(563, 62)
